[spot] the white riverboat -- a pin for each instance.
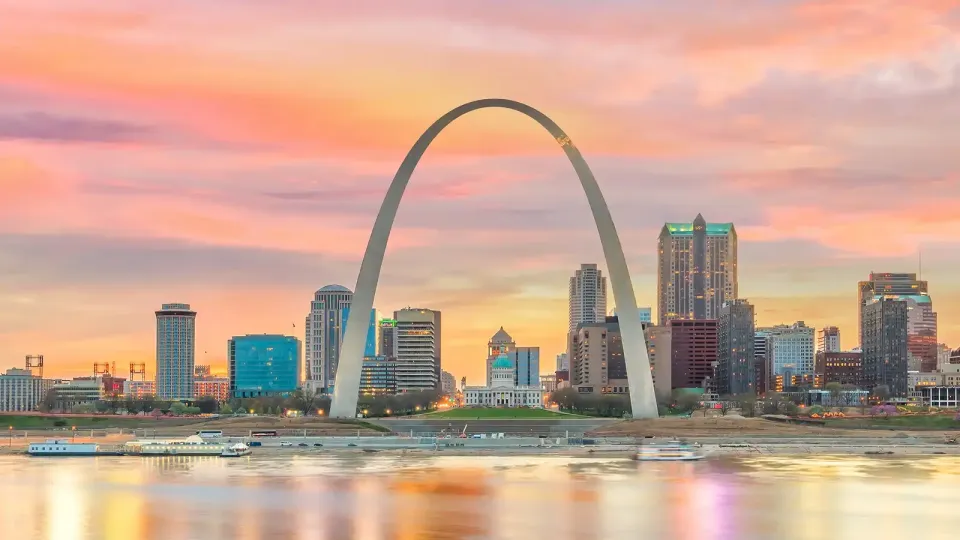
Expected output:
(191, 446)
(58, 447)
(236, 450)
(673, 451)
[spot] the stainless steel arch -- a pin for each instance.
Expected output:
(347, 384)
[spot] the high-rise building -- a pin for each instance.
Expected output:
(325, 326)
(943, 356)
(658, 350)
(597, 365)
(324, 333)
(888, 284)
(828, 339)
(418, 349)
(388, 338)
(500, 343)
(693, 352)
(762, 361)
(263, 365)
(176, 342)
(588, 296)
(526, 366)
(697, 269)
(921, 331)
(448, 383)
(370, 345)
(378, 376)
(885, 353)
(792, 350)
(735, 371)
(563, 362)
(839, 367)
(21, 390)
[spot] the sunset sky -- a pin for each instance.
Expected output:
(233, 155)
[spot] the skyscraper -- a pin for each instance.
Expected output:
(697, 270)
(325, 326)
(884, 355)
(828, 339)
(324, 331)
(921, 319)
(588, 296)
(418, 349)
(176, 353)
(735, 372)
(388, 338)
(526, 366)
(762, 361)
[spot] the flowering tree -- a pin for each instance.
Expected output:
(883, 410)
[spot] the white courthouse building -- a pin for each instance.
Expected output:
(503, 390)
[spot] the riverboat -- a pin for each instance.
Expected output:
(191, 446)
(236, 450)
(668, 452)
(57, 447)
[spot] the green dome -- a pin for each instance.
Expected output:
(503, 361)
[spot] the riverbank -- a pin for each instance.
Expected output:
(732, 447)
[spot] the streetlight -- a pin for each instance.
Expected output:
(11, 435)
(388, 412)
(74, 429)
(319, 412)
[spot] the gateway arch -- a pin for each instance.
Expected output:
(347, 384)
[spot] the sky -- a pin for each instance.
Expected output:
(233, 154)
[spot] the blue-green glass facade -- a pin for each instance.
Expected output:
(263, 365)
(370, 345)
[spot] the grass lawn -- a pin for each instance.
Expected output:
(465, 413)
(940, 421)
(86, 422)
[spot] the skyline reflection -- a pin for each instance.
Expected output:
(321, 496)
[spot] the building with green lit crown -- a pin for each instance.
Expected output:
(697, 269)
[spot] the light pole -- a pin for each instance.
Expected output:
(74, 437)
(11, 435)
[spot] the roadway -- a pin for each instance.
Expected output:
(549, 427)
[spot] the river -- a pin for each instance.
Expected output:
(326, 496)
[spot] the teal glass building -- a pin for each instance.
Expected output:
(263, 365)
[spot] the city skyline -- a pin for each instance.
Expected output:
(239, 176)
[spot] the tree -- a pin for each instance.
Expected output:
(748, 405)
(565, 398)
(226, 409)
(178, 408)
(882, 393)
(792, 409)
(836, 392)
(49, 402)
(772, 403)
(686, 401)
(206, 404)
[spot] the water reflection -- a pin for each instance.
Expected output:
(303, 496)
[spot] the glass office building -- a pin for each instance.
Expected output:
(263, 365)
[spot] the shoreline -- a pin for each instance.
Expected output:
(600, 451)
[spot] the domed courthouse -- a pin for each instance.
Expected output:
(503, 390)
